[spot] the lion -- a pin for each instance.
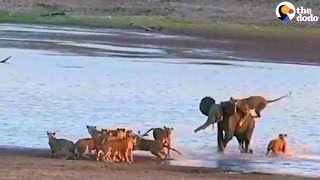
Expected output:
(155, 147)
(121, 147)
(101, 137)
(277, 145)
(162, 135)
(256, 103)
(61, 146)
(84, 145)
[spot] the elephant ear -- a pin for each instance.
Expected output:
(227, 108)
(205, 105)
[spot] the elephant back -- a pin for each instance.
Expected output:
(205, 105)
(227, 108)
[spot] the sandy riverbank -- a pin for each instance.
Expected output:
(26, 163)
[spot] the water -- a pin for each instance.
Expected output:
(62, 84)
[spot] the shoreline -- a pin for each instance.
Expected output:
(262, 48)
(36, 159)
(170, 25)
(257, 42)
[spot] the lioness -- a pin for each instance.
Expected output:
(120, 132)
(94, 132)
(61, 146)
(244, 108)
(278, 145)
(162, 135)
(123, 147)
(84, 145)
(100, 137)
(155, 147)
(109, 135)
(256, 103)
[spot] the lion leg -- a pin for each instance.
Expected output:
(241, 121)
(131, 156)
(69, 155)
(259, 109)
(126, 155)
(86, 152)
(166, 156)
(105, 158)
(108, 155)
(157, 154)
(169, 146)
(99, 154)
(114, 157)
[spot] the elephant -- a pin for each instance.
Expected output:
(227, 116)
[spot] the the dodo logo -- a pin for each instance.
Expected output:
(285, 11)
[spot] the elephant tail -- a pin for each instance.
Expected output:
(274, 100)
(146, 133)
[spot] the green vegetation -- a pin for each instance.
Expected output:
(117, 21)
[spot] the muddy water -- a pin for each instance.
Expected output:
(62, 79)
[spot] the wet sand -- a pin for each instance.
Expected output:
(26, 163)
(259, 47)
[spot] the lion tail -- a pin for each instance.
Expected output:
(274, 100)
(172, 149)
(146, 133)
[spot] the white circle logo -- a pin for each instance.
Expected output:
(285, 11)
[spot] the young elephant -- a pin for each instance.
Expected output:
(228, 119)
(61, 146)
(278, 145)
(99, 138)
(162, 135)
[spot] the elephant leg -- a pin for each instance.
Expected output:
(220, 139)
(248, 138)
(241, 144)
(228, 136)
